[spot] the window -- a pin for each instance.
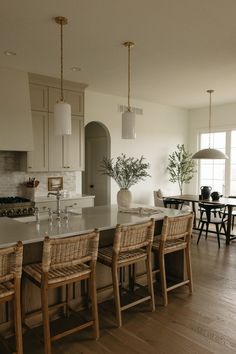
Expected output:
(213, 172)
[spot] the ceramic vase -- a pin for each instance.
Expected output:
(124, 198)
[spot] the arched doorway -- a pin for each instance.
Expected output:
(97, 145)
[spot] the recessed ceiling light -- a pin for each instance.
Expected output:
(75, 68)
(9, 53)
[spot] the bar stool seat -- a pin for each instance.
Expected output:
(132, 244)
(170, 245)
(55, 276)
(105, 256)
(6, 289)
(65, 261)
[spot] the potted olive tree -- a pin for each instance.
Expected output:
(126, 171)
(181, 167)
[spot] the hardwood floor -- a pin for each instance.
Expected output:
(202, 323)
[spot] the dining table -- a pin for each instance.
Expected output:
(194, 199)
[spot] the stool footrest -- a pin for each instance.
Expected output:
(135, 303)
(72, 330)
(185, 282)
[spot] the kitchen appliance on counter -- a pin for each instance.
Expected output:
(16, 206)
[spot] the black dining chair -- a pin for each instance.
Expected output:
(233, 212)
(212, 214)
(172, 203)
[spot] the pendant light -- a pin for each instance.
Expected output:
(210, 153)
(128, 117)
(62, 110)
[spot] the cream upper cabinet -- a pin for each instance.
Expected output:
(75, 99)
(39, 98)
(67, 153)
(51, 152)
(37, 160)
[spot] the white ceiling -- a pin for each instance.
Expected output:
(183, 47)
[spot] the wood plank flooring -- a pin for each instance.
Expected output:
(202, 323)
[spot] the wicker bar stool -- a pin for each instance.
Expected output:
(65, 261)
(10, 279)
(175, 236)
(132, 244)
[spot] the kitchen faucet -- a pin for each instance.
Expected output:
(58, 195)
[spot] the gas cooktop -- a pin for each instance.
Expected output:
(16, 206)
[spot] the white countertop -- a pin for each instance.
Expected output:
(101, 217)
(45, 198)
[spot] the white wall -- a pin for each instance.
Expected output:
(223, 118)
(158, 130)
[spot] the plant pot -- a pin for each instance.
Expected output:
(124, 198)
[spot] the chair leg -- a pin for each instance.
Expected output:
(200, 233)
(115, 281)
(150, 282)
(218, 234)
(93, 296)
(46, 324)
(233, 222)
(163, 278)
(17, 314)
(207, 228)
(189, 268)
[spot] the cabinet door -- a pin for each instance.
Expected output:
(73, 146)
(37, 160)
(75, 99)
(55, 148)
(39, 97)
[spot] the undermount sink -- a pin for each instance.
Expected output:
(31, 218)
(44, 216)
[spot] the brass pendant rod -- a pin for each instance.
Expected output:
(210, 92)
(128, 45)
(62, 96)
(129, 109)
(61, 20)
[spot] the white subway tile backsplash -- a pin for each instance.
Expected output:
(12, 178)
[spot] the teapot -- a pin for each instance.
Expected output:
(205, 192)
(215, 196)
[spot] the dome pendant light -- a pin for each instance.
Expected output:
(210, 153)
(62, 110)
(128, 117)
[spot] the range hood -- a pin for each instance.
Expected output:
(16, 133)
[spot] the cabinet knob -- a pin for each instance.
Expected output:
(91, 186)
(29, 166)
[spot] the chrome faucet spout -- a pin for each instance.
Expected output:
(57, 194)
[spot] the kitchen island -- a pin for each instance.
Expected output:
(105, 218)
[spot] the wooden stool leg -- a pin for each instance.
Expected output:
(150, 281)
(17, 311)
(93, 296)
(163, 278)
(46, 324)
(189, 268)
(23, 299)
(115, 281)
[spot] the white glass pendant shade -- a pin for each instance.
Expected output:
(210, 154)
(62, 118)
(128, 125)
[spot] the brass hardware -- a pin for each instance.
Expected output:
(210, 92)
(128, 45)
(62, 21)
